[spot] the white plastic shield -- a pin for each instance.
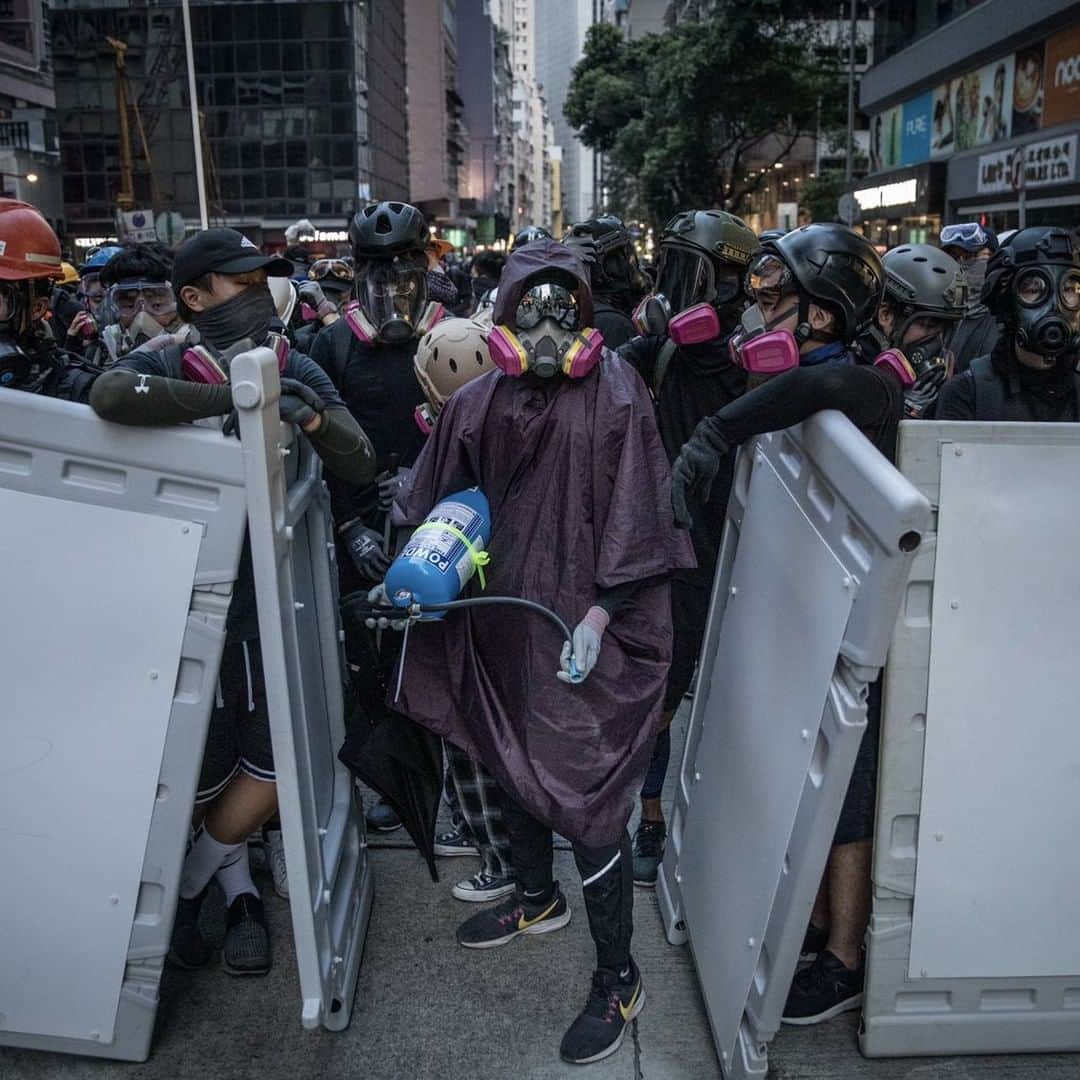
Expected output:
(295, 578)
(121, 548)
(972, 946)
(820, 531)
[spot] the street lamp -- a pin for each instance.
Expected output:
(32, 177)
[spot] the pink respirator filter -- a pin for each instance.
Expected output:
(768, 354)
(695, 326)
(895, 361)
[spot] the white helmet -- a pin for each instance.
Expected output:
(450, 354)
(284, 293)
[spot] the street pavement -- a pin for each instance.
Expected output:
(426, 1008)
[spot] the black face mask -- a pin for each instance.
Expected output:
(245, 315)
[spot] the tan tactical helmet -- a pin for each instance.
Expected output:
(450, 354)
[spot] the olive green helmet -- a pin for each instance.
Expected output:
(922, 281)
(717, 233)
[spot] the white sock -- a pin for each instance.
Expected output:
(203, 858)
(234, 875)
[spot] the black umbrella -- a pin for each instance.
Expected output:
(402, 761)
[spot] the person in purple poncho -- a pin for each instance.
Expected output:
(563, 442)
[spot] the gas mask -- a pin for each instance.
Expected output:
(391, 303)
(686, 282)
(204, 365)
(548, 339)
(15, 362)
(146, 308)
(1046, 310)
(761, 349)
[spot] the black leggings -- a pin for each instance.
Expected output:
(607, 877)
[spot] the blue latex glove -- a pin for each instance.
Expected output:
(588, 635)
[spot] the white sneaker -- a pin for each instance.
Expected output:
(275, 856)
(482, 887)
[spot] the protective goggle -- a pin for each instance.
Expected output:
(547, 302)
(332, 268)
(91, 289)
(155, 297)
(1034, 287)
(967, 234)
(769, 274)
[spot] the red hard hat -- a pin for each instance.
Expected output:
(28, 246)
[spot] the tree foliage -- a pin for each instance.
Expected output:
(680, 115)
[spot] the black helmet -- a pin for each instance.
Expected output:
(717, 233)
(383, 230)
(921, 280)
(836, 268)
(1033, 286)
(771, 234)
(529, 235)
(614, 262)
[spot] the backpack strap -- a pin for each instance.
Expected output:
(663, 362)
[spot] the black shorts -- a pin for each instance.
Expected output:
(857, 814)
(689, 613)
(239, 733)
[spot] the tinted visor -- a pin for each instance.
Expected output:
(685, 277)
(547, 302)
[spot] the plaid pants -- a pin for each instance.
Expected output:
(480, 807)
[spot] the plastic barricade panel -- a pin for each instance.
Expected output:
(1009, 1009)
(292, 552)
(111, 507)
(820, 531)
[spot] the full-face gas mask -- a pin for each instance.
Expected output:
(1046, 309)
(391, 302)
(547, 337)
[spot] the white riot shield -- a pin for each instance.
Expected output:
(330, 885)
(973, 944)
(120, 548)
(821, 530)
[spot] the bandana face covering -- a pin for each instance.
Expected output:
(245, 315)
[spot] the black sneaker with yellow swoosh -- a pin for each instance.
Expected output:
(512, 918)
(599, 1029)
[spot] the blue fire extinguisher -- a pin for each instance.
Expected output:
(443, 553)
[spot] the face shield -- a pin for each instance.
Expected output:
(393, 296)
(684, 277)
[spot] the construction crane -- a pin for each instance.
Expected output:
(125, 197)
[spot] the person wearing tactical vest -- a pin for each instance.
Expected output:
(617, 280)
(683, 356)
(926, 294)
(972, 245)
(30, 358)
(368, 354)
(1033, 287)
(816, 290)
(220, 281)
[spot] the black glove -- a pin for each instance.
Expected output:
(311, 293)
(299, 404)
(584, 247)
(390, 483)
(365, 550)
(923, 392)
(695, 469)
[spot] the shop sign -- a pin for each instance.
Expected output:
(915, 145)
(1062, 78)
(902, 193)
(324, 236)
(94, 241)
(886, 139)
(1045, 163)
